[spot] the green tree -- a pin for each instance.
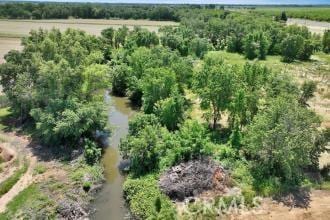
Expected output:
(291, 46)
(170, 111)
(120, 76)
(326, 41)
(157, 84)
(108, 34)
(251, 47)
(215, 84)
(306, 50)
(283, 16)
(145, 149)
(308, 89)
(281, 141)
(120, 36)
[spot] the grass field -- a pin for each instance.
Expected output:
(311, 13)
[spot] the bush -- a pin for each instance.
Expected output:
(170, 111)
(326, 41)
(146, 200)
(92, 152)
(145, 149)
(281, 142)
(306, 50)
(120, 75)
(140, 121)
(291, 46)
(87, 186)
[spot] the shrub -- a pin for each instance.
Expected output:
(145, 149)
(92, 152)
(291, 46)
(170, 111)
(86, 186)
(326, 41)
(306, 50)
(146, 200)
(140, 121)
(281, 142)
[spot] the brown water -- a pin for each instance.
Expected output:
(110, 204)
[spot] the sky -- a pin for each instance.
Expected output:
(272, 2)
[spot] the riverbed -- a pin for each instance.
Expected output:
(109, 203)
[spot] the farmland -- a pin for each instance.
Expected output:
(7, 44)
(12, 30)
(311, 13)
(19, 28)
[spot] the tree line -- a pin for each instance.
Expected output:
(97, 11)
(57, 83)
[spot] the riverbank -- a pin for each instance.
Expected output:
(57, 183)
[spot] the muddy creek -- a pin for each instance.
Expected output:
(109, 202)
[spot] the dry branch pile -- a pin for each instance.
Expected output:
(192, 178)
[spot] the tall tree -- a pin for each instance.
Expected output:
(215, 84)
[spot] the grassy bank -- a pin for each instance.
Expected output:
(6, 185)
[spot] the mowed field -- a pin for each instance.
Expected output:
(12, 30)
(18, 28)
(7, 44)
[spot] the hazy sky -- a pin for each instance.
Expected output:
(203, 1)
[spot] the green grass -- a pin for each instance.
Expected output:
(28, 205)
(6, 185)
(238, 59)
(39, 169)
(312, 13)
(4, 114)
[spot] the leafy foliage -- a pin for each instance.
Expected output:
(281, 141)
(146, 200)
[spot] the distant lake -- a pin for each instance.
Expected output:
(251, 2)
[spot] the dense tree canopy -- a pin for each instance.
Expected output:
(65, 81)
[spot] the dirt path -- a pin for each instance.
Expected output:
(7, 168)
(318, 209)
(18, 146)
(24, 182)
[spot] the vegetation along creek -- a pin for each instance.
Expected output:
(109, 203)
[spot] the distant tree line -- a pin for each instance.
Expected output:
(96, 11)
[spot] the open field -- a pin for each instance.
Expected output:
(312, 13)
(12, 30)
(7, 44)
(19, 28)
(317, 27)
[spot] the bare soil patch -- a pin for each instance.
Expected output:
(317, 27)
(318, 209)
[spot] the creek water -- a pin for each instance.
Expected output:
(109, 202)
